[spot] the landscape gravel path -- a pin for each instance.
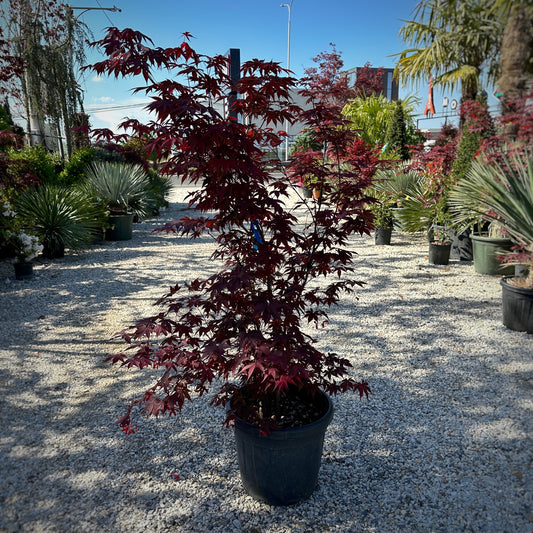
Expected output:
(443, 445)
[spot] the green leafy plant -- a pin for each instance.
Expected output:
(392, 188)
(122, 187)
(74, 171)
(34, 161)
(501, 191)
(60, 217)
(158, 188)
(424, 206)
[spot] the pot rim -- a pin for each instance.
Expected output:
(513, 288)
(496, 240)
(284, 433)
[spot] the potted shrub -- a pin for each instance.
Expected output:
(500, 190)
(125, 191)
(24, 247)
(389, 187)
(305, 142)
(424, 207)
(440, 245)
(61, 217)
(383, 218)
(239, 333)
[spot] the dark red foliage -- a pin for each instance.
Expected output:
(243, 325)
(369, 81)
(326, 81)
(476, 117)
(442, 154)
(515, 127)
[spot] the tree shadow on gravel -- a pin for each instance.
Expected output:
(443, 444)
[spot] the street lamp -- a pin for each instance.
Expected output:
(289, 7)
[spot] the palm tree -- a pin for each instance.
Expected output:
(455, 41)
(516, 59)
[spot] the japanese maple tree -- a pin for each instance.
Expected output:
(369, 80)
(241, 328)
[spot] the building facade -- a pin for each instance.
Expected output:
(390, 85)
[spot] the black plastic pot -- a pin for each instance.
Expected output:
(121, 228)
(439, 254)
(382, 236)
(517, 306)
(462, 246)
(23, 270)
(281, 468)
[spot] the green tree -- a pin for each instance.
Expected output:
(371, 115)
(46, 43)
(396, 140)
(478, 125)
(455, 41)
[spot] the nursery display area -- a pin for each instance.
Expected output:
(197, 336)
(443, 439)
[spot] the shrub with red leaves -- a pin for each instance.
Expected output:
(241, 328)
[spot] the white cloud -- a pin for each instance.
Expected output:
(100, 117)
(105, 99)
(97, 79)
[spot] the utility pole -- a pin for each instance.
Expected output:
(289, 7)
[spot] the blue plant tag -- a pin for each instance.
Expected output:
(256, 229)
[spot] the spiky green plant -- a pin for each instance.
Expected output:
(124, 188)
(499, 190)
(61, 217)
(158, 189)
(405, 188)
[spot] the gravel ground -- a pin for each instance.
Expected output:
(443, 445)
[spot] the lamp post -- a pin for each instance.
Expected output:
(289, 7)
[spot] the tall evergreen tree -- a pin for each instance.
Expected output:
(396, 139)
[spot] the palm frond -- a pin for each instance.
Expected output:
(123, 187)
(498, 191)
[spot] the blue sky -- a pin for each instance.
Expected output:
(362, 30)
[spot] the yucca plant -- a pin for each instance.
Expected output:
(123, 187)
(158, 189)
(500, 190)
(405, 189)
(61, 217)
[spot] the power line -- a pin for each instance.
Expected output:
(91, 109)
(105, 13)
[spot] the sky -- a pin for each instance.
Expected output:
(363, 31)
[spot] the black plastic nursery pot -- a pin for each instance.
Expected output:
(517, 306)
(439, 254)
(462, 246)
(121, 228)
(382, 236)
(23, 270)
(281, 468)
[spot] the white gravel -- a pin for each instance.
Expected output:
(443, 445)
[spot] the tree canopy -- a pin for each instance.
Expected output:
(455, 41)
(41, 45)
